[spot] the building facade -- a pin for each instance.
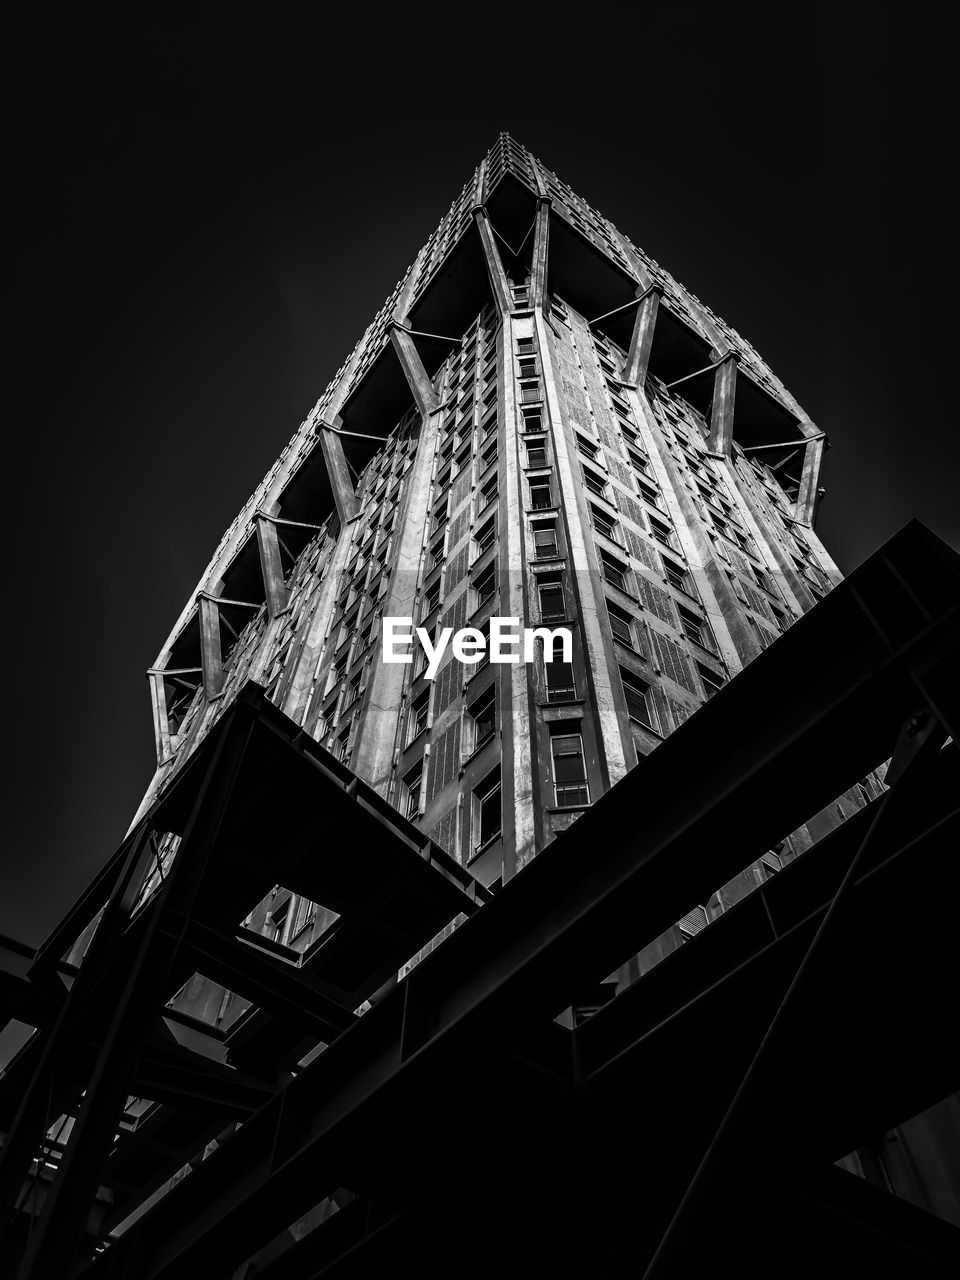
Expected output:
(558, 433)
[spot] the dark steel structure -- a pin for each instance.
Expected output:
(462, 1122)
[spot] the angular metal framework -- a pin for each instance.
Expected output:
(463, 1121)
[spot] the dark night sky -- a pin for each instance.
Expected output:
(204, 212)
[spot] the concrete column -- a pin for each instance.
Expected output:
(271, 566)
(296, 700)
(586, 577)
(516, 699)
(210, 653)
(416, 375)
(763, 532)
(719, 344)
(641, 341)
(809, 481)
(376, 737)
(724, 397)
(735, 637)
(499, 284)
(541, 246)
(344, 494)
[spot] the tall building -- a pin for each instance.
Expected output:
(540, 425)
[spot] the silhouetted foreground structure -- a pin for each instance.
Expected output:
(462, 1122)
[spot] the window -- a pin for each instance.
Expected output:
(462, 460)
(649, 493)
(560, 681)
(660, 531)
(639, 702)
(431, 599)
(342, 745)
(484, 655)
(337, 672)
(536, 453)
(528, 367)
(552, 608)
(677, 576)
(487, 822)
(488, 453)
(275, 924)
(695, 628)
(524, 346)
(711, 681)
(569, 771)
(540, 495)
(763, 636)
(532, 420)
(304, 916)
(411, 790)
(529, 392)
(613, 570)
(354, 689)
(435, 555)
(483, 716)
(485, 585)
(439, 516)
(595, 483)
(763, 579)
(604, 523)
(621, 624)
(545, 546)
(587, 447)
(417, 718)
(639, 461)
(485, 536)
(420, 653)
(488, 494)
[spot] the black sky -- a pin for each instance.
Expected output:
(205, 210)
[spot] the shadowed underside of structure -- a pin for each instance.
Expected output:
(460, 1122)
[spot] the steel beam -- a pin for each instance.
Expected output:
(63, 1218)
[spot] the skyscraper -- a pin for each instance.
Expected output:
(542, 424)
(541, 432)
